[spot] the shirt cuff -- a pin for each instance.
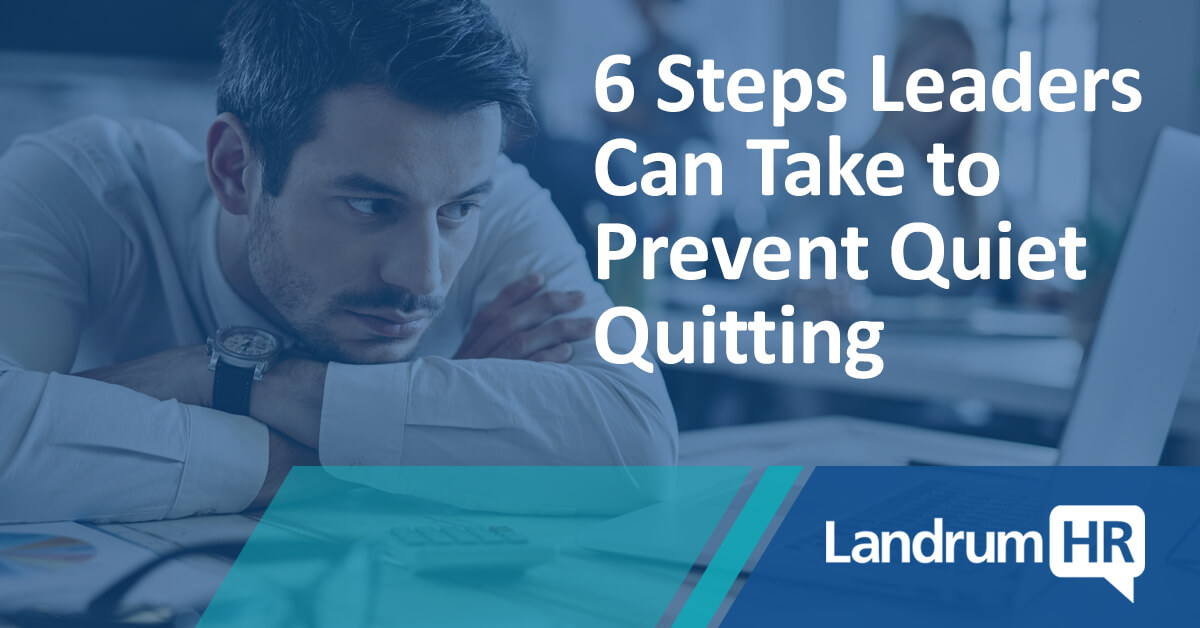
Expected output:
(226, 463)
(363, 414)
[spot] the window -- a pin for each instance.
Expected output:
(1044, 182)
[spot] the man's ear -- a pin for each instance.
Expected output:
(233, 173)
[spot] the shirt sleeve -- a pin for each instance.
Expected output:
(438, 411)
(74, 448)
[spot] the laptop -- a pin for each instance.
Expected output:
(1130, 380)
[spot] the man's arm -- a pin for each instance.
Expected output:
(514, 326)
(181, 375)
(70, 447)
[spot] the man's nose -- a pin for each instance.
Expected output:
(411, 257)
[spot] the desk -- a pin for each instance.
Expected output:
(752, 445)
(302, 554)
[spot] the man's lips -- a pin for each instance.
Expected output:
(392, 324)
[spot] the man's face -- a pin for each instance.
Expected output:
(374, 221)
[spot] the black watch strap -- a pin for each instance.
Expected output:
(231, 388)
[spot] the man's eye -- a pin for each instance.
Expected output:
(367, 206)
(457, 211)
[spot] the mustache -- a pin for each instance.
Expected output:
(391, 299)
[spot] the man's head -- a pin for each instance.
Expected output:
(359, 139)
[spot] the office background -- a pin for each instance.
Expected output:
(63, 59)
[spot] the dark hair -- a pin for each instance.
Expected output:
(281, 57)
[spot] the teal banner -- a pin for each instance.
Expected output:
(498, 546)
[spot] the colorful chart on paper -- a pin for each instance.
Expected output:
(23, 553)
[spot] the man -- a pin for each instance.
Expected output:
(352, 207)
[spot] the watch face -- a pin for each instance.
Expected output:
(246, 342)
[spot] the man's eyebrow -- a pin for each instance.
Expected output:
(482, 188)
(359, 182)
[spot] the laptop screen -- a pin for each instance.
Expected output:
(1143, 347)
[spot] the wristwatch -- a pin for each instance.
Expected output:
(239, 356)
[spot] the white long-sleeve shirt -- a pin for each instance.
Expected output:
(108, 252)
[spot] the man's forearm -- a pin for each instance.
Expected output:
(495, 412)
(105, 451)
(287, 399)
(181, 374)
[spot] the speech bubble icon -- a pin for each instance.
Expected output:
(1099, 542)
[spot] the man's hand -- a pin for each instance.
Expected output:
(517, 324)
(180, 374)
(289, 399)
(285, 453)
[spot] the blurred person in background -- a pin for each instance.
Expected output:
(944, 45)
